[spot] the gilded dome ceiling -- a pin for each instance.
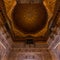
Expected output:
(29, 18)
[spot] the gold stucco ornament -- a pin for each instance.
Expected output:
(29, 17)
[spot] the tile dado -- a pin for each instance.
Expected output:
(3, 52)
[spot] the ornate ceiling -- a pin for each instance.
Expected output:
(49, 4)
(29, 18)
(37, 21)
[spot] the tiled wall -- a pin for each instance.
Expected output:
(54, 44)
(5, 43)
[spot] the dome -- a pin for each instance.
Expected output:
(29, 18)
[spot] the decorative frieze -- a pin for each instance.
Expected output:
(30, 54)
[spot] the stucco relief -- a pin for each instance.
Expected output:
(30, 54)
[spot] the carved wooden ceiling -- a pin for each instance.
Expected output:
(10, 3)
(19, 31)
